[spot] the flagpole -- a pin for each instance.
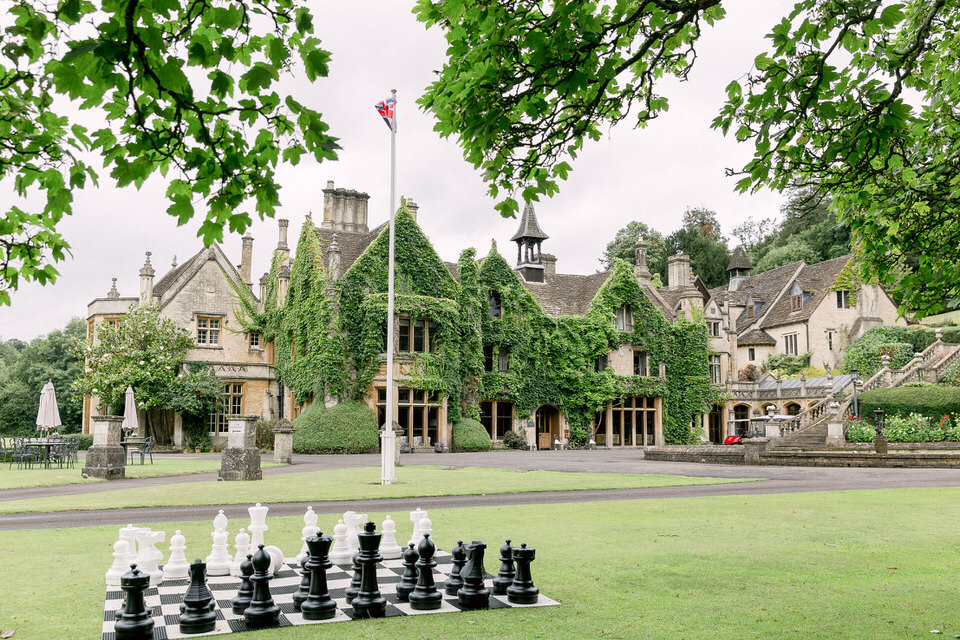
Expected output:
(388, 444)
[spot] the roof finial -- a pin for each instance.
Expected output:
(113, 293)
(173, 265)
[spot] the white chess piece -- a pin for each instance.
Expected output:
(426, 526)
(129, 534)
(340, 554)
(258, 524)
(121, 550)
(415, 518)
(218, 562)
(309, 529)
(389, 548)
(148, 556)
(354, 522)
(276, 558)
(177, 566)
(242, 545)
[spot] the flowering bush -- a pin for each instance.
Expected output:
(911, 428)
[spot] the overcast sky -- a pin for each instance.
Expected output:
(650, 175)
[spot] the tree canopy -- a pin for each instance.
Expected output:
(183, 90)
(624, 247)
(856, 98)
(700, 238)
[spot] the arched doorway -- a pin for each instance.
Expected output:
(548, 426)
(793, 409)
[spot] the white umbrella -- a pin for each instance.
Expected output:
(130, 422)
(48, 416)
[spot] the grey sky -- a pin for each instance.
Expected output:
(650, 175)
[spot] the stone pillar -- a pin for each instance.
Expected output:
(531, 435)
(608, 426)
(753, 448)
(106, 458)
(241, 458)
(658, 439)
(879, 440)
(283, 442)
(834, 426)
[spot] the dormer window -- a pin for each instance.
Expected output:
(796, 298)
(624, 319)
(494, 304)
(751, 308)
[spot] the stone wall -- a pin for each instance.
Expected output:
(722, 454)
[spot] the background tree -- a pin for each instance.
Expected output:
(146, 352)
(623, 246)
(25, 368)
(186, 90)
(700, 239)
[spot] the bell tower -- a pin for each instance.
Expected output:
(529, 238)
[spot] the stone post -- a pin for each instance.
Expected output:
(106, 458)
(939, 334)
(834, 426)
(283, 442)
(241, 458)
(753, 448)
(531, 436)
(879, 441)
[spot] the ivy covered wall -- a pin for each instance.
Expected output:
(329, 335)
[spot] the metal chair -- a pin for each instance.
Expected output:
(23, 455)
(145, 449)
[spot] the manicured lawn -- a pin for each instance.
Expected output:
(852, 565)
(352, 484)
(38, 477)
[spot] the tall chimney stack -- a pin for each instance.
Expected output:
(246, 259)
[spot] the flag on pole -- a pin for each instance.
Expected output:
(386, 110)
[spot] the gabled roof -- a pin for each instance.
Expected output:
(765, 288)
(528, 225)
(565, 294)
(816, 281)
(175, 279)
(756, 338)
(739, 260)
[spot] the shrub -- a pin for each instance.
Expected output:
(348, 427)
(750, 373)
(864, 354)
(931, 401)
(513, 440)
(470, 435)
(951, 375)
(86, 441)
(265, 433)
(786, 364)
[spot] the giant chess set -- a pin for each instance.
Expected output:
(359, 572)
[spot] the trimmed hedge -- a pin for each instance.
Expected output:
(864, 354)
(934, 401)
(348, 427)
(470, 435)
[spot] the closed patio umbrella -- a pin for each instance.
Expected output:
(48, 416)
(130, 422)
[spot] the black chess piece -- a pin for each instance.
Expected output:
(522, 590)
(408, 581)
(354, 588)
(454, 580)
(245, 593)
(304, 590)
(318, 605)
(369, 603)
(473, 594)
(425, 596)
(262, 610)
(505, 576)
(198, 612)
(134, 621)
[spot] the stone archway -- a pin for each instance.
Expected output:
(547, 419)
(792, 409)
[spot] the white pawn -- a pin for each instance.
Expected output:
(148, 556)
(119, 566)
(177, 567)
(218, 562)
(415, 518)
(242, 545)
(341, 554)
(309, 529)
(389, 548)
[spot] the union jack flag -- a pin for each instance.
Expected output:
(386, 108)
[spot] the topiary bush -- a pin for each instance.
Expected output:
(930, 401)
(348, 427)
(513, 440)
(470, 435)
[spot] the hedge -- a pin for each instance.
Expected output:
(864, 354)
(934, 401)
(470, 435)
(348, 427)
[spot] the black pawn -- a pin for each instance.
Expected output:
(262, 611)
(369, 603)
(522, 590)
(408, 581)
(134, 622)
(425, 596)
(318, 605)
(198, 612)
(300, 595)
(473, 595)
(454, 580)
(354, 588)
(245, 592)
(505, 576)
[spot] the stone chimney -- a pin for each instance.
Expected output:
(549, 264)
(283, 283)
(146, 281)
(641, 271)
(246, 259)
(679, 274)
(344, 210)
(412, 208)
(282, 243)
(333, 258)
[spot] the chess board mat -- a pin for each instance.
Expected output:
(164, 600)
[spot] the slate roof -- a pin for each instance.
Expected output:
(816, 280)
(739, 260)
(528, 225)
(755, 338)
(839, 382)
(764, 288)
(351, 244)
(165, 285)
(565, 294)
(167, 280)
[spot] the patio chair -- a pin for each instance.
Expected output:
(23, 455)
(60, 453)
(145, 449)
(6, 449)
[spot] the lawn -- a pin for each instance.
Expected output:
(38, 477)
(852, 565)
(353, 484)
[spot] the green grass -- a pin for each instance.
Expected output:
(38, 477)
(352, 484)
(852, 565)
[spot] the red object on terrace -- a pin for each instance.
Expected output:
(733, 440)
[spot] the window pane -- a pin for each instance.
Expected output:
(418, 396)
(418, 423)
(504, 359)
(403, 335)
(504, 418)
(486, 416)
(433, 431)
(404, 396)
(418, 345)
(488, 358)
(381, 396)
